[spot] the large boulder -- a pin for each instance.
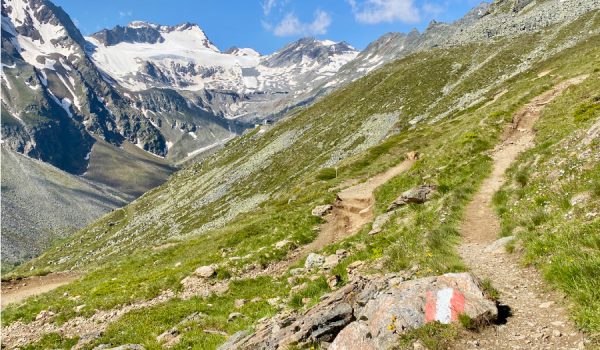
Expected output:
(372, 313)
(418, 195)
(412, 304)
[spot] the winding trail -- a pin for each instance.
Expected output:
(354, 207)
(537, 318)
(351, 211)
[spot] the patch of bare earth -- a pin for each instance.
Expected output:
(352, 209)
(535, 316)
(14, 291)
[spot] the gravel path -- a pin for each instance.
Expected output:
(16, 290)
(535, 317)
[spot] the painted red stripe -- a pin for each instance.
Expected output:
(457, 304)
(430, 301)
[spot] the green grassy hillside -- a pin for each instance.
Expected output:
(233, 207)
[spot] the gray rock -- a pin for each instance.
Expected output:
(205, 271)
(379, 222)
(417, 195)
(235, 338)
(282, 244)
(331, 261)
(322, 210)
(239, 303)
(297, 271)
(234, 315)
(314, 261)
(169, 337)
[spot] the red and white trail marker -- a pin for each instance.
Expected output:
(444, 305)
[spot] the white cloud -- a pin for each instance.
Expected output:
(378, 11)
(433, 9)
(290, 25)
(125, 13)
(268, 5)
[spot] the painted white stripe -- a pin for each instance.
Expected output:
(443, 311)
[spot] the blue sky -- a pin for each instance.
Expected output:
(267, 25)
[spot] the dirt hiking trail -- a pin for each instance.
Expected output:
(351, 211)
(535, 316)
(354, 207)
(17, 290)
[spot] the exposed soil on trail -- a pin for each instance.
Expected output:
(351, 211)
(535, 317)
(16, 290)
(353, 208)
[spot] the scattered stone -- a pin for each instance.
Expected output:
(412, 155)
(256, 300)
(546, 305)
(306, 301)
(282, 244)
(418, 195)
(333, 281)
(379, 222)
(341, 253)
(580, 198)
(354, 267)
(299, 287)
(419, 346)
(499, 245)
(44, 315)
(234, 315)
(274, 301)
(169, 338)
(331, 261)
(78, 308)
(239, 303)
(215, 331)
(205, 271)
(297, 271)
(322, 210)
(556, 333)
(314, 261)
(177, 264)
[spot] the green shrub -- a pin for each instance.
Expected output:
(587, 111)
(327, 174)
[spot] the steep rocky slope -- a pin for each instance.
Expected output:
(33, 205)
(220, 245)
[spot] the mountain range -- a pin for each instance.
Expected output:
(151, 97)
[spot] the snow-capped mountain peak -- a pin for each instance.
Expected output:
(236, 51)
